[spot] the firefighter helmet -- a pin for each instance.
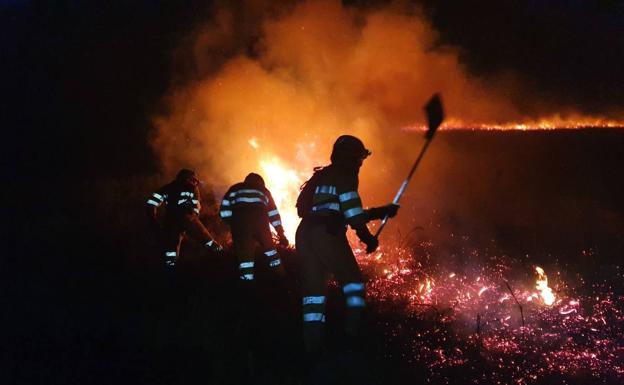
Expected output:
(254, 180)
(187, 176)
(349, 147)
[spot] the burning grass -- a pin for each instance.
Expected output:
(496, 322)
(480, 315)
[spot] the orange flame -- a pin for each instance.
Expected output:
(548, 297)
(283, 182)
(425, 288)
(546, 123)
(283, 179)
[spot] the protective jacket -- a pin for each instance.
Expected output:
(179, 198)
(248, 207)
(182, 203)
(328, 203)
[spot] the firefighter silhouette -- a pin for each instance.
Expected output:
(250, 211)
(182, 200)
(328, 202)
(248, 207)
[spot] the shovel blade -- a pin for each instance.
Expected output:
(435, 115)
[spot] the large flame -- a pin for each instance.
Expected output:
(283, 179)
(283, 182)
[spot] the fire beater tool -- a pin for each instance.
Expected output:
(435, 116)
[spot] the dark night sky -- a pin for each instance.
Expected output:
(82, 81)
(572, 50)
(82, 78)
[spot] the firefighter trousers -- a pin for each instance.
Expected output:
(174, 231)
(325, 251)
(249, 228)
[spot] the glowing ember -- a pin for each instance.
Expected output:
(425, 288)
(548, 297)
(477, 318)
(253, 142)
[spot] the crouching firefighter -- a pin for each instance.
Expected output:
(328, 202)
(181, 197)
(249, 208)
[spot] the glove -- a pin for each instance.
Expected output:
(391, 210)
(371, 245)
(282, 239)
(381, 212)
(212, 245)
(365, 236)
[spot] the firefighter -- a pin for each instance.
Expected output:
(182, 216)
(328, 202)
(249, 208)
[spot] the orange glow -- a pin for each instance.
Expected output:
(547, 123)
(546, 293)
(283, 178)
(253, 142)
(283, 182)
(425, 288)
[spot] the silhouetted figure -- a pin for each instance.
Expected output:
(182, 201)
(328, 202)
(248, 208)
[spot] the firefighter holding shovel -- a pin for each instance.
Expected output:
(328, 202)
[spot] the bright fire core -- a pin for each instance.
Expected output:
(284, 182)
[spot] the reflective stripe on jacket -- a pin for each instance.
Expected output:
(336, 193)
(177, 198)
(241, 196)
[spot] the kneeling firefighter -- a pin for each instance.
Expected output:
(328, 202)
(181, 197)
(248, 207)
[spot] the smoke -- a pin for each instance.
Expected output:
(277, 83)
(306, 74)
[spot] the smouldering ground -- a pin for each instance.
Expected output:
(488, 322)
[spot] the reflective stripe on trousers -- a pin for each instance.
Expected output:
(354, 294)
(313, 323)
(314, 308)
(274, 259)
(170, 258)
(246, 271)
